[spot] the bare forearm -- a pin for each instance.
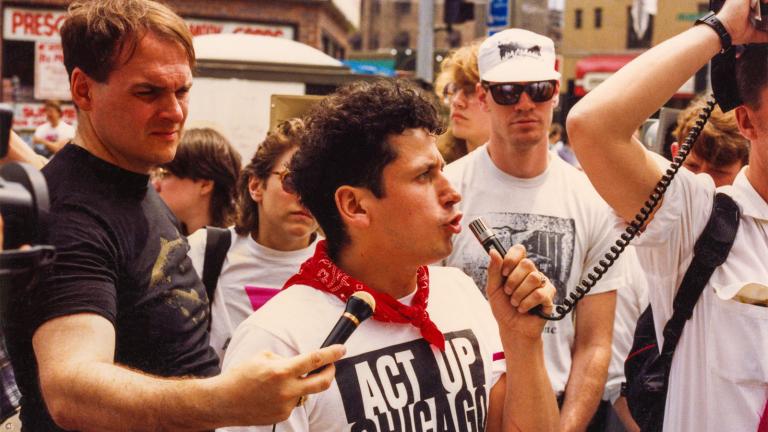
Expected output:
(584, 390)
(530, 403)
(20, 152)
(622, 411)
(105, 397)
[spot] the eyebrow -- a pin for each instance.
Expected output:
(153, 87)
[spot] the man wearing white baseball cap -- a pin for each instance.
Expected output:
(533, 198)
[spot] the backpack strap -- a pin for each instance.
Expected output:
(217, 243)
(710, 251)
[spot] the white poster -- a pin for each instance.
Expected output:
(51, 80)
(32, 24)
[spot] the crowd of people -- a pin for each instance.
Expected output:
(190, 293)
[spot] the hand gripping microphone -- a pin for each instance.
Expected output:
(488, 238)
(360, 307)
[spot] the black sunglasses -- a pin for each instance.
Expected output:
(509, 93)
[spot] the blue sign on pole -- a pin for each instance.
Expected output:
(498, 16)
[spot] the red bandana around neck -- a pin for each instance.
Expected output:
(321, 273)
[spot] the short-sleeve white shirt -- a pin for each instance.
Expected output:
(250, 273)
(719, 376)
(391, 378)
(564, 224)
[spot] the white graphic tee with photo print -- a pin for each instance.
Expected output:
(391, 379)
(560, 219)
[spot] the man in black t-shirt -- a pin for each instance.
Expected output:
(121, 311)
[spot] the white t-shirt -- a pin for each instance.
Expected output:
(391, 378)
(61, 131)
(558, 216)
(631, 301)
(250, 274)
(719, 376)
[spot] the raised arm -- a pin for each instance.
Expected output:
(601, 125)
(84, 390)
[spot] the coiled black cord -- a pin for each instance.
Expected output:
(637, 225)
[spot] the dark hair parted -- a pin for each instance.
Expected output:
(205, 154)
(98, 33)
(752, 74)
(283, 138)
(346, 143)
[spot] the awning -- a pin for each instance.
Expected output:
(592, 70)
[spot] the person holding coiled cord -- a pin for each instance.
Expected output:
(718, 379)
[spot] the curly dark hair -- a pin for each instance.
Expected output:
(345, 143)
(283, 138)
(752, 74)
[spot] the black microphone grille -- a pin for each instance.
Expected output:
(480, 229)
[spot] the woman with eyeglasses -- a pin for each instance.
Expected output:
(469, 123)
(198, 185)
(272, 236)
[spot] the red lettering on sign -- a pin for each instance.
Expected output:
(32, 23)
(259, 31)
(204, 29)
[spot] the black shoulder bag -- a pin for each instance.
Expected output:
(217, 243)
(646, 369)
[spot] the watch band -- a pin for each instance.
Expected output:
(714, 23)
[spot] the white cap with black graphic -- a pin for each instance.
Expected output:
(517, 55)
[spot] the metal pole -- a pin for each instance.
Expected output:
(426, 48)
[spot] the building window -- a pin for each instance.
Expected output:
(633, 39)
(577, 21)
(402, 40)
(332, 47)
(374, 42)
(403, 8)
(375, 7)
(598, 18)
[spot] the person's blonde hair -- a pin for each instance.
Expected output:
(720, 142)
(460, 67)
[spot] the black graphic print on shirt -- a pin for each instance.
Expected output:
(409, 388)
(548, 240)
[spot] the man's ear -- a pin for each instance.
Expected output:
(81, 86)
(206, 187)
(351, 202)
(256, 189)
(482, 96)
(745, 118)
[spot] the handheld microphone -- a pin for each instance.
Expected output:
(488, 238)
(360, 307)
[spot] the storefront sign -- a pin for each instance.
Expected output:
(28, 116)
(51, 80)
(203, 27)
(44, 24)
(32, 24)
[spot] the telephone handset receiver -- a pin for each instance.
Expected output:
(723, 65)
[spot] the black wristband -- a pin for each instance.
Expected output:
(714, 23)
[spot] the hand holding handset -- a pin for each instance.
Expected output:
(487, 237)
(723, 65)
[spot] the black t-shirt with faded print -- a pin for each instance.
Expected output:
(119, 255)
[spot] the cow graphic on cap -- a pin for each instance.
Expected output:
(512, 49)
